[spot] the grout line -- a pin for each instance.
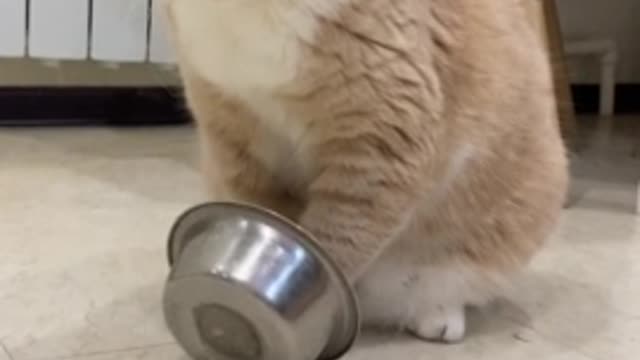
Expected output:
(4, 349)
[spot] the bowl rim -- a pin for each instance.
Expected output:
(348, 292)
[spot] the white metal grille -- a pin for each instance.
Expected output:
(103, 30)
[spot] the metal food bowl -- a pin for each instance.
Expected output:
(247, 284)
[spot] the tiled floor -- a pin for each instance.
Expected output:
(84, 215)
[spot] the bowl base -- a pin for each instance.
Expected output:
(226, 332)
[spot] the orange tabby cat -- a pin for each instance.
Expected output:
(416, 139)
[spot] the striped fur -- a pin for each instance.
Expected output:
(416, 139)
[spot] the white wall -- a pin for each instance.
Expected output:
(616, 19)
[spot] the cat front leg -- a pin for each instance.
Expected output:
(232, 171)
(370, 179)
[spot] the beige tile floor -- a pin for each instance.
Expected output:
(84, 215)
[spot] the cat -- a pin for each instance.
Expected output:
(417, 140)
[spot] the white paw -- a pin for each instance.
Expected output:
(445, 324)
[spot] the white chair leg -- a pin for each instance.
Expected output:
(608, 82)
(638, 199)
(606, 50)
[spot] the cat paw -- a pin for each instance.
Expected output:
(442, 324)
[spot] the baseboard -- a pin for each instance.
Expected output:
(122, 106)
(586, 98)
(130, 106)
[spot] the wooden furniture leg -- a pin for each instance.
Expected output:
(544, 16)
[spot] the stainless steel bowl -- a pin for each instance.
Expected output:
(247, 284)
